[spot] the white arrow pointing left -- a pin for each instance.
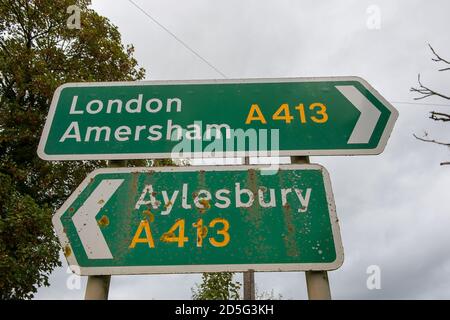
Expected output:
(86, 224)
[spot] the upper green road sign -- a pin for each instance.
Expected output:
(181, 220)
(299, 116)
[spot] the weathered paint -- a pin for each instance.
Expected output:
(276, 238)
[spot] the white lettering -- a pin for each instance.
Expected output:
(122, 133)
(239, 192)
(207, 196)
(272, 201)
(148, 105)
(168, 203)
(147, 190)
(74, 105)
(169, 104)
(304, 201)
(220, 196)
(137, 102)
(98, 132)
(91, 110)
(76, 135)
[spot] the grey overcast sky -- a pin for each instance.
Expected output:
(393, 208)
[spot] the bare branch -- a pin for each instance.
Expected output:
(432, 141)
(426, 92)
(439, 116)
(438, 58)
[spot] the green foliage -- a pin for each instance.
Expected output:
(268, 295)
(37, 54)
(162, 162)
(169, 162)
(28, 249)
(217, 286)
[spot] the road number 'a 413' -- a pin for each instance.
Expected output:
(317, 112)
(176, 233)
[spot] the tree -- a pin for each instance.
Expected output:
(425, 92)
(268, 295)
(217, 286)
(38, 52)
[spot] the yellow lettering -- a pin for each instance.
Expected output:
(322, 112)
(202, 231)
(301, 110)
(251, 115)
(284, 108)
(144, 225)
(223, 232)
(170, 236)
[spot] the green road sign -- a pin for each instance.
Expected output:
(298, 116)
(207, 219)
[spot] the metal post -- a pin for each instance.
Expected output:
(249, 276)
(318, 285)
(249, 285)
(97, 287)
(316, 281)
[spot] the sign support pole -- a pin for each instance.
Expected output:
(249, 276)
(97, 287)
(249, 285)
(316, 281)
(318, 285)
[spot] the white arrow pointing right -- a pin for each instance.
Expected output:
(84, 220)
(369, 115)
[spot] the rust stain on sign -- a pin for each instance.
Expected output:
(289, 238)
(204, 232)
(149, 214)
(167, 237)
(205, 203)
(104, 221)
(67, 250)
(236, 216)
(168, 204)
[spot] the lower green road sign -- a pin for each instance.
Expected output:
(201, 219)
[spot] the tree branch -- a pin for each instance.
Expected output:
(432, 141)
(17, 12)
(439, 116)
(438, 59)
(426, 92)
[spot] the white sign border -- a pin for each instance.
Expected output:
(122, 156)
(86, 271)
